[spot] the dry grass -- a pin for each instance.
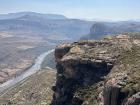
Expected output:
(36, 90)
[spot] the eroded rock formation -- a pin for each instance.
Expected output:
(102, 72)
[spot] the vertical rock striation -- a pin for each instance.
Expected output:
(111, 95)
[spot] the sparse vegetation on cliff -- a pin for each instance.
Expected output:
(103, 72)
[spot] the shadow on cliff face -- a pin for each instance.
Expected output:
(74, 74)
(90, 73)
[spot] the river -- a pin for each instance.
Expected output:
(33, 69)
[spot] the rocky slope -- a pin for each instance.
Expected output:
(105, 72)
(35, 90)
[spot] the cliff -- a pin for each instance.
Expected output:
(105, 72)
(101, 29)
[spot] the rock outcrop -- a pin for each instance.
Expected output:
(101, 29)
(104, 72)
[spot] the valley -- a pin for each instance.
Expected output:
(30, 71)
(44, 52)
(26, 35)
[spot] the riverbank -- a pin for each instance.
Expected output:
(27, 73)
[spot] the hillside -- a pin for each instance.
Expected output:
(35, 90)
(104, 72)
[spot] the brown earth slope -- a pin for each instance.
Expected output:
(35, 90)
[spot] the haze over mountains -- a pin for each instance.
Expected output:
(20, 14)
(59, 27)
(51, 26)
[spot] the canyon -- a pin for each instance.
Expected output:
(89, 72)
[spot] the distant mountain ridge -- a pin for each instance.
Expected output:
(48, 26)
(59, 27)
(22, 14)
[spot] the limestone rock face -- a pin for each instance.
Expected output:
(104, 72)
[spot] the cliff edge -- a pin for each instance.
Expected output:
(105, 72)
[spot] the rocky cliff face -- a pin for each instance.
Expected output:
(104, 72)
(101, 29)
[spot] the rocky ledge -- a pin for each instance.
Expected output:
(105, 72)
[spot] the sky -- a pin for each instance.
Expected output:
(83, 9)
